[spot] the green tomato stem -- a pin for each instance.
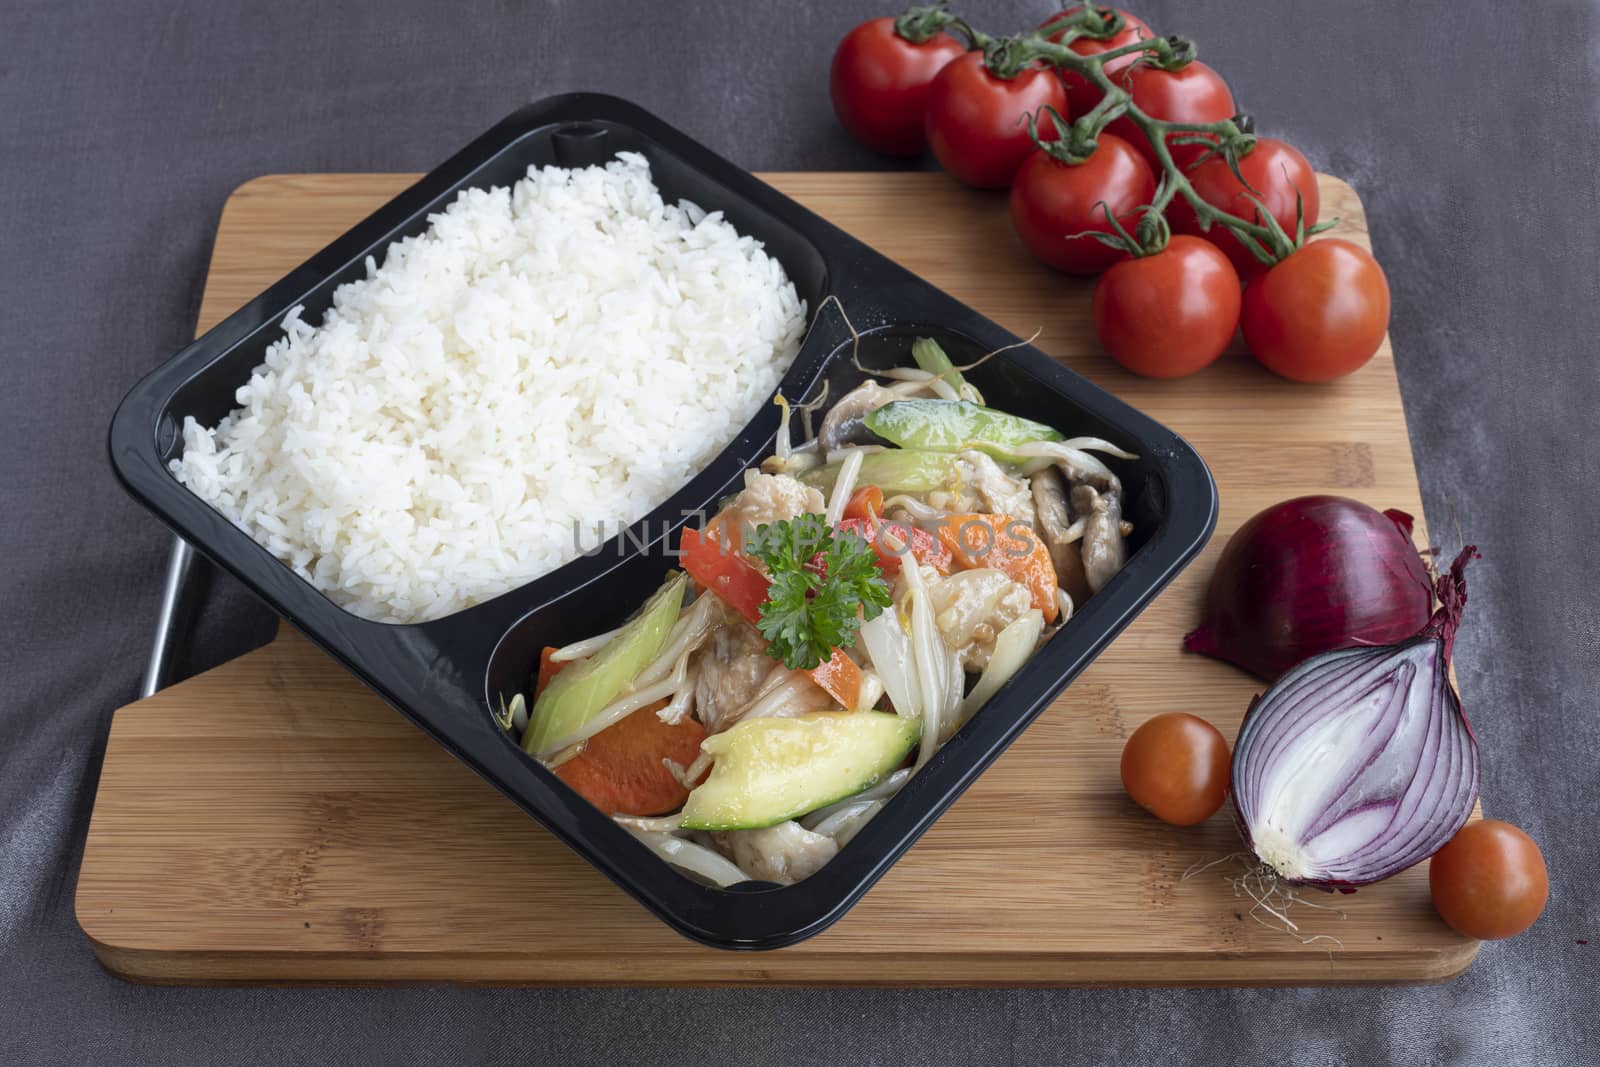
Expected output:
(1008, 57)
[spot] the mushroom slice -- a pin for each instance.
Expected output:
(1053, 522)
(1103, 549)
(845, 423)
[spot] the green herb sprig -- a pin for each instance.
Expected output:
(824, 582)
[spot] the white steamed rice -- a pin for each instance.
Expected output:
(545, 362)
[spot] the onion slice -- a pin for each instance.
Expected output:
(697, 859)
(1359, 762)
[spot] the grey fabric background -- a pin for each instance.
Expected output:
(1470, 129)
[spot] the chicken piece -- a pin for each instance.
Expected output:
(979, 485)
(783, 695)
(844, 424)
(785, 853)
(1103, 549)
(1052, 520)
(729, 672)
(768, 498)
(972, 607)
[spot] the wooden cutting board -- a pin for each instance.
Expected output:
(272, 821)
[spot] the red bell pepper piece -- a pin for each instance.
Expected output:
(924, 548)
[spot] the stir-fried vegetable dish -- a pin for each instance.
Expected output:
(836, 622)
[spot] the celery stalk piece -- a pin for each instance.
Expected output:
(894, 471)
(931, 358)
(575, 695)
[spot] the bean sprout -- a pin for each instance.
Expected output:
(1097, 444)
(781, 444)
(921, 379)
(655, 824)
(928, 660)
(1079, 465)
(682, 702)
(686, 635)
(844, 485)
(585, 648)
(917, 509)
(565, 754)
(846, 823)
(688, 776)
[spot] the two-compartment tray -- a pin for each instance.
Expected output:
(444, 674)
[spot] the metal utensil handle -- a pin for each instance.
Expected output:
(177, 594)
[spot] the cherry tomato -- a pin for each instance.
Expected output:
(1051, 201)
(1171, 313)
(975, 120)
(1277, 174)
(1490, 881)
(879, 82)
(1319, 314)
(1081, 95)
(1195, 93)
(1176, 767)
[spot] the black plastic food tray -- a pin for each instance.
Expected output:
(445, 675)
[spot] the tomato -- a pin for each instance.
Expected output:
(1319, 314)
(1277, 174)
(1051, 201)
(1176, 767)
(1192, 94)
(1081, 95)
(1490, 881)
(1171, 313)
(879, 82)
(976, 121)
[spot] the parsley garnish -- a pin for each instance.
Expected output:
(811, 607)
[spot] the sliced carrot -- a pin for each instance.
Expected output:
(548, 669)
(620, 771)
(840, 678)
(865, 503)
(1009, 546)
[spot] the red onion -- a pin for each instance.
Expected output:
(1359, 762)
(1310, 575)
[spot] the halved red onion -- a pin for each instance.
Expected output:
(1359, 763)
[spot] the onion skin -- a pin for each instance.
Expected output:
(1311, 575)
